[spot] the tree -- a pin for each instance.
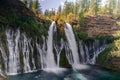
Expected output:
(70, 17)
(46, 13)
(59, 9)
(57, 16)
(49, 13)
(94, 6)
(112, 6)
(68, 8)
(81, 19)
(117, 8)
(76, 8)
(25, 2)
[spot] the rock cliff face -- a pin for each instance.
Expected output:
(14, 6)
(101, 25)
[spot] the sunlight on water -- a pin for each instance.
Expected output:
(90, 73)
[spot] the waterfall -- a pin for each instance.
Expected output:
(72, 44)
(42, 53)
(89, 51)
(82, 52)
(58, 51)
(12, 44)
(20, 53)
(26, 53)
(50, 60)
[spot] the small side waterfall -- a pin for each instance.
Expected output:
(90, 50)
(42, 53)
(26, 54)
(20, 53)
(58, 51)
(72, 44)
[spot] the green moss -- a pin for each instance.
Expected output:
(63, 60)
(80, 35)
(106, 57)
(102, 37)
(3, 20)
(30, 25)
(21, 62)
(2, 64)
(30, 60)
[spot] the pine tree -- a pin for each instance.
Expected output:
(25, 2)
(59, 9)
(94, 6)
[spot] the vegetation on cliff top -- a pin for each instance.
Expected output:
(35, 23)
(15, 14)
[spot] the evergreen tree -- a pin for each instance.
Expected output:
(25, 2)
(68, 8)
(94, 6)
(112, 6)
(59, 9)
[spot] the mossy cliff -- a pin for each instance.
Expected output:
(15, 14)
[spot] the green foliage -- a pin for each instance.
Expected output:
(68, 8)
(49, 13)
(81, 19)
(102, 37)
(118, 23)
(63, 61)
(28, 24)
(112, 51)
(25, 2)
(104, 58)
(80, 35)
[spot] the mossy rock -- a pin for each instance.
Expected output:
(63, 60)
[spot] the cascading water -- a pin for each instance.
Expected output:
(42, 53)
(58, 51)
(12, 44)
(50, 60)
(72, 44)
(89, 51)
(26, 53)
(22, 54)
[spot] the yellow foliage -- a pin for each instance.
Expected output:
(57, 16)
(41, 16)
(52, 18)
(70, 17)
(115, 52)
(61, 23)
(117, 34)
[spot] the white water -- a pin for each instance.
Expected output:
(82, 53)
(50, 60)
(58, 51)
(34, 55)
(72, 44)
(12, 42)
(42, 53)
(26, 52)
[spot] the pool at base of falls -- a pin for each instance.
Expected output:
(89, 73)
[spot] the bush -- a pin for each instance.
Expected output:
(80, 35)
